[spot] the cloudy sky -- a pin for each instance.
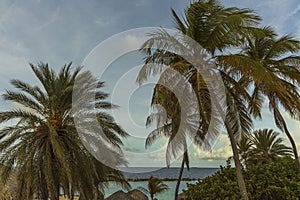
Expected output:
(58, 32)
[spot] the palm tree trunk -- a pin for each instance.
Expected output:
(237, 162)
(288, 134)
(179, 178)
(238, 166)
(280, 121)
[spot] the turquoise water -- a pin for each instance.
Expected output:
(169, 195)
(162, 173)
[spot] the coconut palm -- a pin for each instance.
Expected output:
(40, 141)
(267, 146)
(269, 62)
(155, 186)
(168, 120)
(165, 125)
(215, 28)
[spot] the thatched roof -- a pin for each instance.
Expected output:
(131, 195)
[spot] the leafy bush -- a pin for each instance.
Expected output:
(276, 180)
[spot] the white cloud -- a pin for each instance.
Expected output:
(132, 41)
(297, 9)
(221, 150)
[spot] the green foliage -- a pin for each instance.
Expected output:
(262, 145)
(41, 141)
(275, 180)
(222, 185)
(155, 186)
(267, 146)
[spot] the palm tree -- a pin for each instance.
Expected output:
(262, 146)
(155, 186)
(215, 28)
(266, 146)
(41, 142)
(244, 146)
(271, 67)
(169, 124)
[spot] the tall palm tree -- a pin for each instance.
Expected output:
(170, 124)
(267, 146)
(40, 141)
(271, 66)
(215, 28)
(155, 186)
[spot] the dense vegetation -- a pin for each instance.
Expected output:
(275, 180)
(270, 172)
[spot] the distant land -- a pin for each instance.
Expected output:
(167, 174)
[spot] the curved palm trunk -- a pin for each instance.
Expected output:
(238, 166)
(179, 178)
(237, 162)
(288, 134)
(291, 139)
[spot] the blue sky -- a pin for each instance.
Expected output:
(60, 31)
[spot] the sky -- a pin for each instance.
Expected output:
(58, 32)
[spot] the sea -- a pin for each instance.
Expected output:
(137, 173)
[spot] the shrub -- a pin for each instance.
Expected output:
(276, 180)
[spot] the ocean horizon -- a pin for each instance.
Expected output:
(138, 173)
(167, 173)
